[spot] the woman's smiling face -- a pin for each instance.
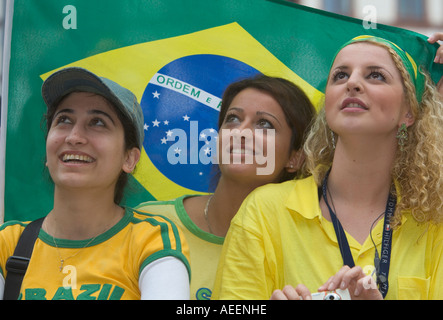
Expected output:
(255, 115)
(85, 146)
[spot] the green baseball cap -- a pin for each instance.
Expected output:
(68, 80)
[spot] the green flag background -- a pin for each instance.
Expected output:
(140, 44)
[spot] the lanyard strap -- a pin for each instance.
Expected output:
(339, 232)
(381, 263)
(386, 246)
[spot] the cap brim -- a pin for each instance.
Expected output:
(68, 80)
(75, 79)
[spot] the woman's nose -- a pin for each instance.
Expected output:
(246, 125)
(76, 136)
(355, 84)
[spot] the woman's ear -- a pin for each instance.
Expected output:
(409, 119)
(295, 161)
(132, 157)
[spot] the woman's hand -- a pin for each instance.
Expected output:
(360, 285)
(438, 36)
(291, 293)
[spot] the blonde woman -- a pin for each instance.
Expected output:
(373, 204)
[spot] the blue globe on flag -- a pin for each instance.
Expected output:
(181, 106)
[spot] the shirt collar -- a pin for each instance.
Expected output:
(304, 199)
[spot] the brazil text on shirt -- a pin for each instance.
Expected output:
(107, 267)
(88, 292)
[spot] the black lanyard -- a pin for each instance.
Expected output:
(381, 263)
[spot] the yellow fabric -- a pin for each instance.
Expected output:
(205, 248)
(108, 268)
(279, 237)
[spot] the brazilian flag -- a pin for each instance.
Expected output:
(177, 57)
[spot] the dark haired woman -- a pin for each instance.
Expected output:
(89, 247)
(266, 119)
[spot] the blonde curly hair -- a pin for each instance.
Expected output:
(417, 169)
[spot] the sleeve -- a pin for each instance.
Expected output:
(165, 279)
(244, 271)
(160, 239)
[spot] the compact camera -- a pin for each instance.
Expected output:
(332, 295)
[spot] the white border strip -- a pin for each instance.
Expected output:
(9, 13)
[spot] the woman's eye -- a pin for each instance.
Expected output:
(63, 119)
(377, 76)
(230, 118)
(98, 122)
(265, 124)
(339, 76)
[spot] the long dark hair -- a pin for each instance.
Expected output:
(298, 109)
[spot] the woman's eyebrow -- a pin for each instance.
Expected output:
(100, 112)
(66, 110)
(376, 68)
(259, 113)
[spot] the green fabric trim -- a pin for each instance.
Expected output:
(166, 253)
(12, 223)
(191, 226)
(164, 229)
(74, 244)
(184, 218)
(153, 203)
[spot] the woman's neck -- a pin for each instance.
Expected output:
(358, 186)
(79, 215)
(362, 172)
(225, 203)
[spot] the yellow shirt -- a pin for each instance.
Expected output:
(205, 248)
(106, 268)
(279, 237)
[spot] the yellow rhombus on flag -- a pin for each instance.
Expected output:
(135, 67)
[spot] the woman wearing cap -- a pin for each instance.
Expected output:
(89, 247)
(260, 103)
(374, 202)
